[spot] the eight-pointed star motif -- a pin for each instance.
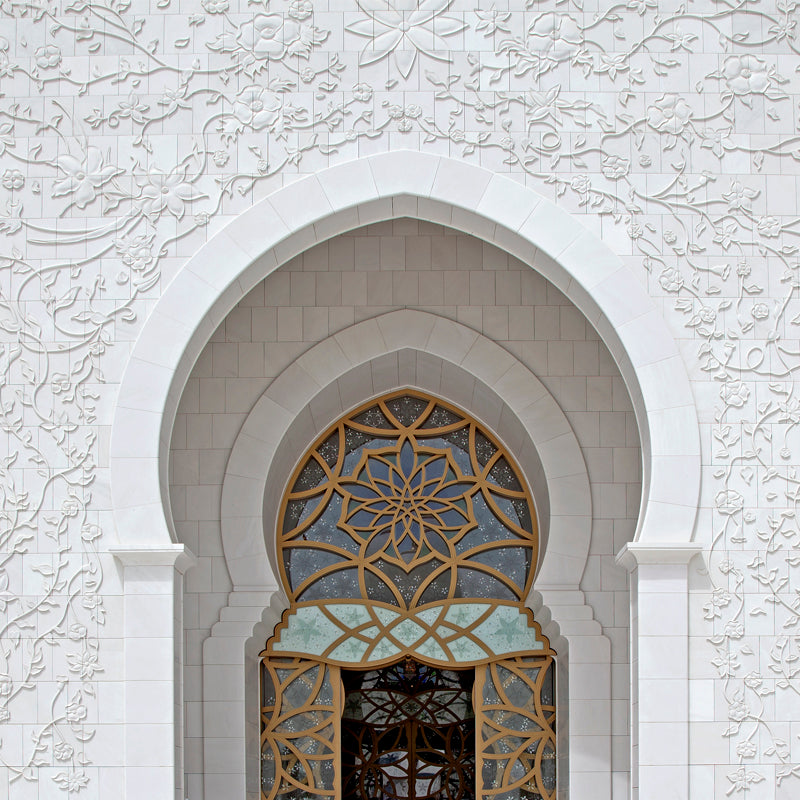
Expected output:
(405, 28)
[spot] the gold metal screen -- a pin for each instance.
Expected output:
(515, 722)
(300, 731)
(407, 500)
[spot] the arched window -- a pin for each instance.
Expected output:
(407, 665)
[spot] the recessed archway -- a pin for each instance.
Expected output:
(474, 372)
(511, 400)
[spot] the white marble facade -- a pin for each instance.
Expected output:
(225, 222)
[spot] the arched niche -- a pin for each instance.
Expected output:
(437, 189)
(406, 349)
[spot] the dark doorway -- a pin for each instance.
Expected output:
(408, 731)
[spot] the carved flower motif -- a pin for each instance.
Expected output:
(671, 280)
(720, 598)
(753, 680)
(168, 190)
(707, 315)
(13, 179)
(669, 114)
(738, 711)
(740, 196)
(70, 507)
(63, 751)
(790, 411)
(77, 631)
(728, 502)
(734, 629)
(362, 92)
(257, 107)
(408, 506)
(745, 749)
(405, 29)
(615, 167)
(301, 9)
(405, 115)
(6, 684)
(734, 393)
(769, 227)
(48, 57)
(492, 21)
(272, 36)
(215, 6)
(135, 251)
(75, 712)
(84, 176)
(746, 75)
(266, 36)
(72, 781)
(641, 6)
(221, 158)
(85, 664)
(718, 140)
(581, 184)
(555, 36)
(133, 108)
(544, 105)
(760, 311)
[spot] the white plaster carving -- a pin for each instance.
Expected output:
(129, 133)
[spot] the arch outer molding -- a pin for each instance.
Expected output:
(447, 192)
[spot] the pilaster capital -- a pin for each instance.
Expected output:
(171, 555)
(635, 554)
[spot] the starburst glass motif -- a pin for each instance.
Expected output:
(407, 505)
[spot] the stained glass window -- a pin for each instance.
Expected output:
(407, 537)
(407, 501)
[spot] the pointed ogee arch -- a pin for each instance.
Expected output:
(381, 187)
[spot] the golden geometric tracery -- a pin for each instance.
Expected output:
(408, 544)
(407, 500)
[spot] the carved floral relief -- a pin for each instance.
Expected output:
(126, 130)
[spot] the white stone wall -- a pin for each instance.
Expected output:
(130, 132)
(356, 276)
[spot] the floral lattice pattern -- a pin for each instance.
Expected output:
(407, 502)
(409, 506)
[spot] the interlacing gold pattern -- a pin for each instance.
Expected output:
(300, 709)
(408, 486)
(407, 537)
(515, 717)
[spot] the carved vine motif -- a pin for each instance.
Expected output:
(122, 134)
